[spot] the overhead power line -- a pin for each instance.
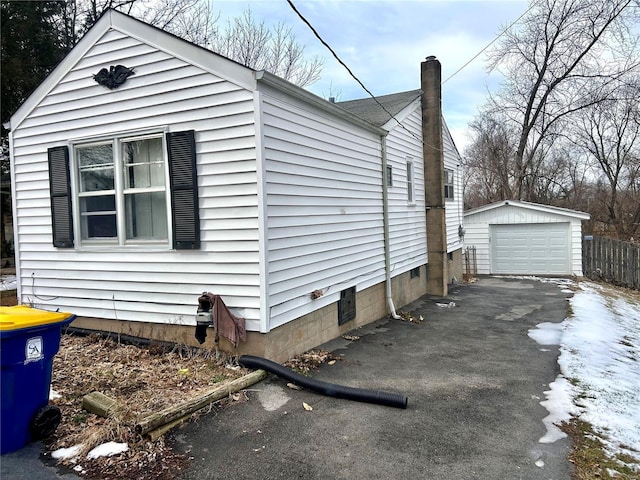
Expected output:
(315, 32)
(488, 44)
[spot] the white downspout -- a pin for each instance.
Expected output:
(385, 220)
(14, 211)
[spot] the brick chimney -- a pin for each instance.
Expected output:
(433, 156)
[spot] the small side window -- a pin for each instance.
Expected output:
(448, 184)
(410, 186)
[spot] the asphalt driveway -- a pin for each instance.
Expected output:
(474, 379)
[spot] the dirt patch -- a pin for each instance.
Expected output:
(8, 298)
(142, 380)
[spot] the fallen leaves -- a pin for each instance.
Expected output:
(408, 317)
(142, 380)
(311, 360)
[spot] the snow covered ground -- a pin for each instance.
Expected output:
(600, 369)
(8, 282)
(600, 366)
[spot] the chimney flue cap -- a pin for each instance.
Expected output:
(431, 58)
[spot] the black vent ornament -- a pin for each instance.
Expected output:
(113, 77)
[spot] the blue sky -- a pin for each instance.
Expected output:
(384, 41)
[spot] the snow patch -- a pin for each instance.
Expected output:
(559, 404)
(547, 333)
(66, 453)
(8, 282)
(601, 350)
(107, 449)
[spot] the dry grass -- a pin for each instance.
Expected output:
(142, 380)
(589, 457)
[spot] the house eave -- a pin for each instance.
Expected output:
(400, 117)
(266, 78)
(531, 206)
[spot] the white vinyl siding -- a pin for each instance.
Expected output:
(153, 284)
(323, 183)
(454, 207)
(407, 223)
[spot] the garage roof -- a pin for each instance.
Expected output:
(531, 206)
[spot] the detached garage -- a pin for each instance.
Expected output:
(521, 238)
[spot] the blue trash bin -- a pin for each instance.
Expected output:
(29, 339)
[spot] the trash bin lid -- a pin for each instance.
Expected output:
(23, 316)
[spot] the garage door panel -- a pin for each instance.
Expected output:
(530, 249)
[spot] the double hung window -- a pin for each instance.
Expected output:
(122, 190)
(132, 190)
(448, 184)
(410, 183)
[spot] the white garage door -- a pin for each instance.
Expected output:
(531, 248)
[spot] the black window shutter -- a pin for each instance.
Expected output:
(184, 190)
(60, 187)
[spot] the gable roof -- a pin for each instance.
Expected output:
(204, 58)
(370, 110)
(114, 20)
(530, 206)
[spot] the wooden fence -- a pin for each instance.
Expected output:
(611, 260)
(470, 263)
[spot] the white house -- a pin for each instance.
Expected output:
(146, 170)
(515, 237)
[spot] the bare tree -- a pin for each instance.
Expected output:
(609, 133)
(556, 63)
(276, 50)
(244, 39)
(487, 162)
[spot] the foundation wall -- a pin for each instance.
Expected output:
(290, 339)
(455, 267)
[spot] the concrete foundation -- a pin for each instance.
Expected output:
(455, 267)
(290, 339)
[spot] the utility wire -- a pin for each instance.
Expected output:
(315, 32)
(488, 44)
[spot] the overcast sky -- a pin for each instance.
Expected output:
(383, 42)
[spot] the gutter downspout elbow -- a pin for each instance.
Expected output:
(385, 215)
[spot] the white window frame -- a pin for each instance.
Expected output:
(411, 191)
(389, 173)
(119, 241)
(449, 187)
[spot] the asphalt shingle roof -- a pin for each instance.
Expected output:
(369, 110)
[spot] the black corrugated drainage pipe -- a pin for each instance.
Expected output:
(328, 389)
